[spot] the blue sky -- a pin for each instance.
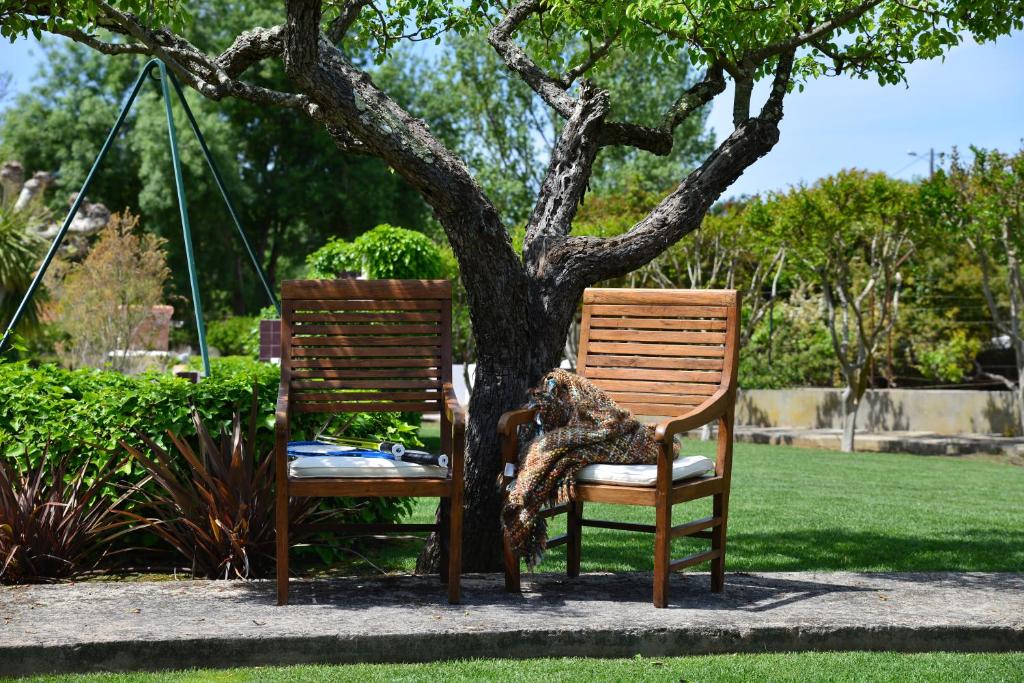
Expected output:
(974, 97)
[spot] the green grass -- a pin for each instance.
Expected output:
(796, 509)
(804, 667)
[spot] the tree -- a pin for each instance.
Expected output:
(983, 204)
(291, 197)
(523, 304)
(851, 235)
(107, 300)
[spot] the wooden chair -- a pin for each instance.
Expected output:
(660, 353)
(371, 345)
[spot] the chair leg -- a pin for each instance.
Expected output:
(574, 532)
(511, 567)
(455, 550)
(721, 509)
(281, 515)
(662, 551)
(444, 537)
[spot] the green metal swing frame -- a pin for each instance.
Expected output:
(157, 70)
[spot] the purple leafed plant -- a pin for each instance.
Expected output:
(53, 526)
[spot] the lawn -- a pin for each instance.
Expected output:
(795, 509)
(804, 667)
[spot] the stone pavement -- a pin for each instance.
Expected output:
(179, 624)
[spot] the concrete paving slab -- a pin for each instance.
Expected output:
(115, 626)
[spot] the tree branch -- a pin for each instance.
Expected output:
(301, 37)
(567, 176)
(551, 90)
(590, 259)
(594, 259)
(596, 55)
(340, 25)
(814, 33)
(251, 47)
(659, 140)
(96, 44)
(741, 99)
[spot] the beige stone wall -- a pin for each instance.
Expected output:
(925, 410)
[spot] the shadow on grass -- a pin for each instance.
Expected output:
(832, 549)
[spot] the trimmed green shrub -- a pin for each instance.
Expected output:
(83, 415)
(385, 252)
(234, 336)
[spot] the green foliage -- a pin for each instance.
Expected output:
(234, 336)
(795, 351)
(87, 413)
(334, 258)
(55, 522)
(873, 39)
(386, 252)
(20, 251)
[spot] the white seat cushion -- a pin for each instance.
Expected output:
(335, 466)
(644, 475)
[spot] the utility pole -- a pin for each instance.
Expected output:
(931, 160)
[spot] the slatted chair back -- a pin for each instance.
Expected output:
(659, 352)
(366, 345)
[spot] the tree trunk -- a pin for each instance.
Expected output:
(851, 404)
(528, 351)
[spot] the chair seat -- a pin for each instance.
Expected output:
(644, 475)
(341, 466)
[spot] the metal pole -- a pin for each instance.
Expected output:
(224, 193)
(73, 211)
(186, 229)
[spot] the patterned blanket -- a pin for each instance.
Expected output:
(577, 425)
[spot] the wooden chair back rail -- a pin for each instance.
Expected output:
(364, 346)
(655, 351)
(661, 354)
(368, 345)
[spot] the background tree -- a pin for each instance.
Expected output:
(983, 204)
(851, 235)
(292, 187)
(106, 301)
(523, 304)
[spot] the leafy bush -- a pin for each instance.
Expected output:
(235, 336)
(85, 414)
(52, 527)
(333, 259)
(801, 351)
(382, 253)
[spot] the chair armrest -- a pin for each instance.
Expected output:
(508, 431)
(452, 408)
(510, 421)
(282, 434)
(282, 413)
(716, 406)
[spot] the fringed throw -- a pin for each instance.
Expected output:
(577, 425)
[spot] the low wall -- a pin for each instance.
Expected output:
(883, 410)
